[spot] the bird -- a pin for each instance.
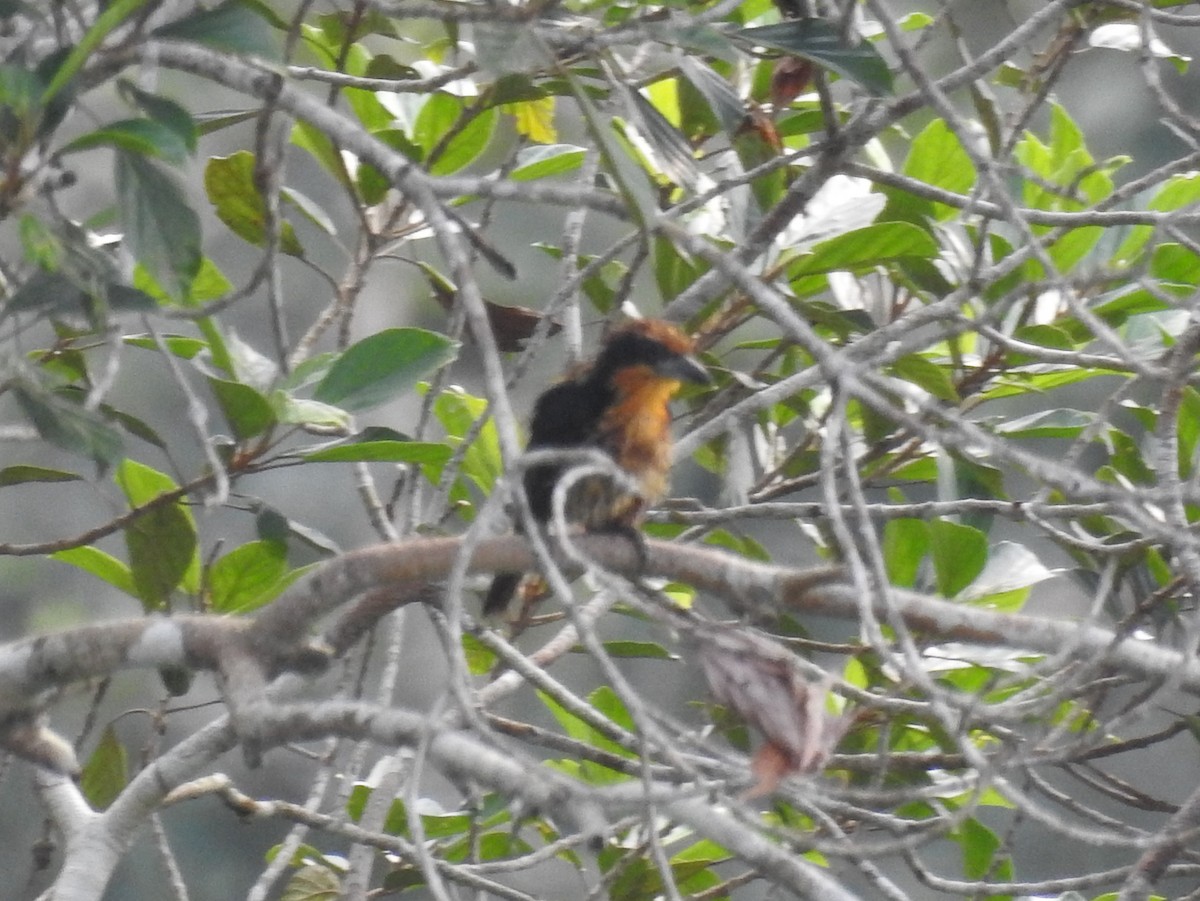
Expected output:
(618, 404)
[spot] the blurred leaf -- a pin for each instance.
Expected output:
(1010, 568)
(162, 230)
(101, 565)
(1046, 424)
(1188, 429)
(140, 136)
(321, 148)
(235, 26)
(865, 248)
(674, 270)
(162, 545)
(165, 112)
(819, 41)
(607, 706)
(229, 183)
(309, 209)
(1176, 192)
(422, 452)
(106, 772)
(645, 650)
(534, 119)
(959, 555)
(383, 366)
(209, 284)
(718, 94)
(671, 149)
(67, 64)
(505, 46)
(756, 142)
(180, 345)
(68, 426)
(249, 364)
(46, 294)
(274, 526)
(480, 659)
(312, 882)
(23, 474)
(247, 411)
(980, 847)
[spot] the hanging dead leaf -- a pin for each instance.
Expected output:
(511, 325)
(790, 78)
(759, 680)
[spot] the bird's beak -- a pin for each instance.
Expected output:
(685, 369)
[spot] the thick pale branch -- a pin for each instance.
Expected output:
(391, 574)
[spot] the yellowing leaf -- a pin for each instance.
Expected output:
(535, 119)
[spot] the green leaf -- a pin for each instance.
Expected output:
(383, 366)
(865, 248)
(112, 17)
(606, 703)
(22, 474)
(905, 543)
(544, 160)
(161, 541)
(163, 231)
(246, 577)
(209, 284)
(165, 112)
(924, 373)
(229, 183)
(672, 151)
(959, 555)
(1010, 571)
(937, 158)
(645, 650)
(443, 115)
(247, 411)
(720, 97)
(458, 412)
(1188, 429)
(1046, 424)
(421, 452)
(234, 25)
(300, 411)
(68, 425)
(106, 772)
(321, 148)
(272, 525)
(673, 270)
(1176, 192)
(180, 345)
(313, 882)
(140, 136)
(480, 658)
(819, 41)
(979, 848)
(101, 565)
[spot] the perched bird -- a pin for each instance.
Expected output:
(617, 404)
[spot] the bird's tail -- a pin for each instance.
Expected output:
(500, 593)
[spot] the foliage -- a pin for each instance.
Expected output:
(953, 345)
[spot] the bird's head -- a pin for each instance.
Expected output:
(650, 349)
